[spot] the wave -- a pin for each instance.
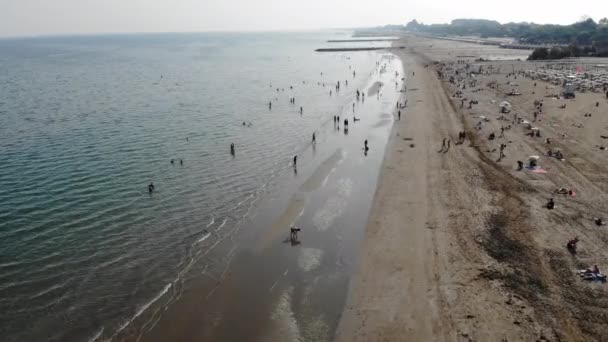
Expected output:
(144, 307)
(222, 225)
(203, 238)
(96, 336)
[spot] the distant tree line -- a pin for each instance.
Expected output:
(585, 37)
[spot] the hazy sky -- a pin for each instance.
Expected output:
(36, 17)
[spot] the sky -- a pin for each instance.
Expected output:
(51, 17)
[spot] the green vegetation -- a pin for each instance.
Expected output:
(585, 37)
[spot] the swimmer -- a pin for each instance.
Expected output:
(151, 187)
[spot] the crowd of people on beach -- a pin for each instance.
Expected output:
(462, 76)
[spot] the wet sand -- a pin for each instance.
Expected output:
(268, 288)
(458, 245)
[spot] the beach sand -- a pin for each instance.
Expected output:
(458, 245)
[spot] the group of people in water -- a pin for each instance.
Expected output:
(336, 120)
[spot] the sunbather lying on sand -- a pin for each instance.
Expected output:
(592, 274)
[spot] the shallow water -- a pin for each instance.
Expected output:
(271, 288)
(87, 122)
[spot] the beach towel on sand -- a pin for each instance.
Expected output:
(536, 169)
(591, 276)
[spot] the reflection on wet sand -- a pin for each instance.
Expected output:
(382, 123)
(322, 172)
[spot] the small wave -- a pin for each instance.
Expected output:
(243, 201)
(96, 336)
(48, 289)
(144, 307)
(203, 238)
(210, 222)
(221, 225)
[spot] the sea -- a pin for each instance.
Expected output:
(88, 122)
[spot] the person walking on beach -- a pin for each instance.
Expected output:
(399, 115)
(314, 138)
(301, 110)
(270, 105)
(295, 160)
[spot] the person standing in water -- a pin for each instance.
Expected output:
(232, 149)
(399, 115)
(181, 162)
(301, 110)
(151, 188)
(314, 138)
(295, 160)
(270, 105)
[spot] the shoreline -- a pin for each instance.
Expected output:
(272, 288)
(458, 245)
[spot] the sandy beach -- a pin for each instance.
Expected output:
(459, 245)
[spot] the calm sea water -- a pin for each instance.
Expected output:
(86, 123)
